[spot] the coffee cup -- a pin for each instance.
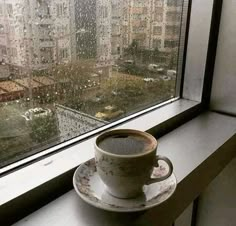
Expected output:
(125, 160)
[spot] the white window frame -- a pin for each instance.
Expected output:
(156, 120)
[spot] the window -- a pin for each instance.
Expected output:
(45, 32)
(195, 67)
(172, 30)
(3, 50)
(156, 43)
(64, 53)
(68, 82)
(44, 10)
(115, 29)
(1, 9)
(159, 3)
(12, 30)
(46, 54)
(158, 17)
(157, 30)
(174, 3)
(104, 11)
(171, 43)
(173, 17)
(13, 52)
(2, 30)
(9, 10)
(61, 10)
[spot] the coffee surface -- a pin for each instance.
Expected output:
(125, 144)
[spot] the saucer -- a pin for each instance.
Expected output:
(91, 189)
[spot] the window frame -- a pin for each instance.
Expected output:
(168, 116)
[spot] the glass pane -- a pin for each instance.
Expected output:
(70, 66)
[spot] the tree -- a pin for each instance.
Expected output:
(76, 77)
(44, 128)
(132, 50)
(173, 60)
(123, 91)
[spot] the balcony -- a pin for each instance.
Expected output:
(44, 20)
(173, 23)
(44, 43)
(173, 8)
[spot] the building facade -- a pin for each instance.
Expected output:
(36, 33)
(153, 24)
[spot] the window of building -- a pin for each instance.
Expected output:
(174, 3)
(13, 52)
(64, 53)
(157, 30)
(45, 32)
(46, 54)
(115, 29)
(2, 30)
(156, 44)
(171, 43)
(159, 3)
(137, 16)
(1, 9)
(173, 17)
(73, 84)
(3, 50)
(61, 10)
(139, 3)
(158, 17)
(145, 10)
(125, 14)
(172, 30)
(12, 30)
(9, 10)
(104, 11)
(44, 10)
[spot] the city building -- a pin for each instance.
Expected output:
(153, 24)
(35, 34)
(85, 25)
(103, 12)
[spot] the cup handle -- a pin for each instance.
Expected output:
(169, 163)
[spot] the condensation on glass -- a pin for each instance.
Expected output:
(70, 66)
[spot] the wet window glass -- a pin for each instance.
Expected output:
(68, 67)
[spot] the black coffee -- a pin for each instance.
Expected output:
(125, 144)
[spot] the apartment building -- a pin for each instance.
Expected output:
(103, 15)
(34, 34)
(85, 25)
(151, 23)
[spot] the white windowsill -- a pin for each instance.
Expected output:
(27, 178)
(199, 150)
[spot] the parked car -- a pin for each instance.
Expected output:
(129, 62)
(36, 113)
(171, 73)
(116, 67)
(109, 113)
(155, 68)
(148, 79)
(165, 78)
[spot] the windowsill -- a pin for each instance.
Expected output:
(46, 175)
(199, 150)
(57, 164)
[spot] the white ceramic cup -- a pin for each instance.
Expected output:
(125, 160)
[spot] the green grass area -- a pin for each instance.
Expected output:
(128, 93)
(14, 137)
(18, 136)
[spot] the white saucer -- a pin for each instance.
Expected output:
(91, 189)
